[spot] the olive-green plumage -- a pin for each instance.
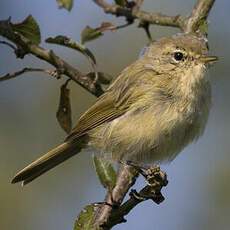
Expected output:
(151, 111)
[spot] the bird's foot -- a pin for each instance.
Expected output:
(153, 175)
(156, 180)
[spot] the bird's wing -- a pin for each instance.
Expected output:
(102, 111)
(115, 102)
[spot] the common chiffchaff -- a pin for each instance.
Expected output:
(152, 110)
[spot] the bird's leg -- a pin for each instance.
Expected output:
(154, 176)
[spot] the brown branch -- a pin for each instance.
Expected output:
(112, 211)
(49, 56)
(156, 181)
(190, 24)
(9, 76)
(152, 18)
(160, 19)
(125, 180)
(199, 13)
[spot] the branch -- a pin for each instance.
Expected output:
(199, 14)
(125, 180)
(9, 76)
(190, 24)
(49, 56)
(156, 181)
(129, 14)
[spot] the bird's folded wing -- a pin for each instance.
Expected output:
(111, 105)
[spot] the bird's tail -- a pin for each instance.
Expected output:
(48, 161)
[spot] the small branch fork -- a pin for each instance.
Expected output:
(199, 13)
(156, 180)
(190, 24)
(109, 215)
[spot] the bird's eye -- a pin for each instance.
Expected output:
(178, 56)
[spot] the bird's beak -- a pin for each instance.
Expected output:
(208, 59)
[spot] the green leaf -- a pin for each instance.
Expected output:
(67, 4)
(86, 218)
(29, 29)
(106, 173)
(89, 34)
(120, 2)
(64, 109)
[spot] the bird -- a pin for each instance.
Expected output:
(151, 111)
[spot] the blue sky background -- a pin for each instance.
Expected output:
(197, 196)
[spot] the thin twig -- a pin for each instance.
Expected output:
(145, 26)
(123, 26)
(8, 44)
(9, 76)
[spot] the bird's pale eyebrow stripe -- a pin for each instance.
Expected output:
(178, 49)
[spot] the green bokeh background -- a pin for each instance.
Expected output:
(197, 196)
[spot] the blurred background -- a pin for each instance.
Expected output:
(197, 196)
